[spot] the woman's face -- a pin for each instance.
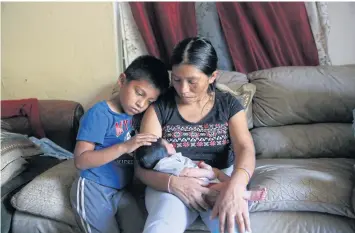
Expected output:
(190, 83)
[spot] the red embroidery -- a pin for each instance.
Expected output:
(204, 135)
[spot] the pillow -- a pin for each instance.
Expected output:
(245, 95)
(48, 194)
(232, 79)
(14, 149)
(12, 169)
(315, 185)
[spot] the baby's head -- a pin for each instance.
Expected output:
(149, 156)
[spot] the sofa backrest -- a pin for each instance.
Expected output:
(303, 95)
(304, 112)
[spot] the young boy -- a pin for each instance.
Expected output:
(105, 139)
(161, 156)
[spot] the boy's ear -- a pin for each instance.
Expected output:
(121, 79)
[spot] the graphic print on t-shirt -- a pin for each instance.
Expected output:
(122, 126)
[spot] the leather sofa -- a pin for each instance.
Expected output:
(301, 123)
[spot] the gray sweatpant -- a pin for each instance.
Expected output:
(167, 213)
(100, 209)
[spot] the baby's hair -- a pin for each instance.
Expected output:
(149, 156)
(151, 69)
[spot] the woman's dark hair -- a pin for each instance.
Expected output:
(151, 69)
(149, 156)
(196, 51)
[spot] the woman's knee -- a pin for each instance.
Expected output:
(167, 213)
(163, 201)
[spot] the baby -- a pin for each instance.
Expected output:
(162, 156)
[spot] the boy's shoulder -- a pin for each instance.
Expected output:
(102, 105)
(95, 113)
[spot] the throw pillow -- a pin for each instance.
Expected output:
(316, 185)
(14, 149)
(232, 79)
(12, 169)
(244, 94)
(48, 194)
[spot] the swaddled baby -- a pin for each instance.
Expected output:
(161, 156)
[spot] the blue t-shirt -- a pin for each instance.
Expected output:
(102, 126)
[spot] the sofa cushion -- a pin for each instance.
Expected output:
(353, 198)
(315, 185)
(291, 95)
(305, 141)
(245, 95)
(300, 222)
(48, 194)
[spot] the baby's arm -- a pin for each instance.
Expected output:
(221, 176)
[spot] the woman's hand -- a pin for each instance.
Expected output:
(231, 207)
(190, 191)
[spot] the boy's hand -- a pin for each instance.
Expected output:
(142, 139)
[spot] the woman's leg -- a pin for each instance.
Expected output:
(166, 213)
(213, 225)
(95, 206)
(129, 216)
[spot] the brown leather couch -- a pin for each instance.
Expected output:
(60, 121)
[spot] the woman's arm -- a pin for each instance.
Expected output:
(156, 180)
(230, 205)
(243, 147)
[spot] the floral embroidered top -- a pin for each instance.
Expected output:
(207, 139)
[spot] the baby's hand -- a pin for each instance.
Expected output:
(204, 165)
(198, 173)
(143, 139)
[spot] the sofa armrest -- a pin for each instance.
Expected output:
(59, 119)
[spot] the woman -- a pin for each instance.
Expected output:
(204, 124)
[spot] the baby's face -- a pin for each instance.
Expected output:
(169, 147)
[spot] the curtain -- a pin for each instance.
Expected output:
(319, 20)
(132, 41)
(208, 26)
(262, 35)
(163, 24)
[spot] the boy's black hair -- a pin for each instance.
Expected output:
(149, 156)
(149, 68)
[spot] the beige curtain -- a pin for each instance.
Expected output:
(133, 44)
(319, 20)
